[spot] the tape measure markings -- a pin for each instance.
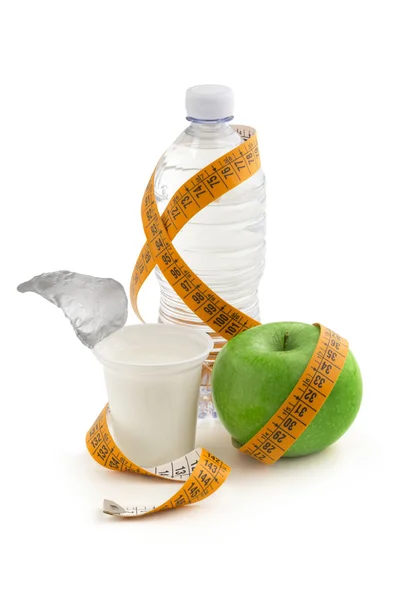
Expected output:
(173, 270)
(296, 413)
(201, 472)
(220, 316)
(194, 195)
(200, 179)
(204, 473)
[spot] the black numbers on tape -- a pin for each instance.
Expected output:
(319, 381)
(175, 272)
(232, 328)
(96, 440)
(279, 436)
(310, 396)
(331, 355)
(239, 164)
(290, 423)
(198, 297)
(221, 320)
(180, 500)
(259, 454)
(204, 477)
(213, 180)
(103, 451)
(211, 466)
(186, 200)
(301, 410)
(194, 490)
(210, 309)
(326, 367)
(335, 344)
(199, 190)
(227, 171)
(166, 258)
(153, 229)
(214, 458)
(249, 157)
(175, 212)
(268, 447)
(186, 285)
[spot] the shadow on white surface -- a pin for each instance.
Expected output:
(249, 482)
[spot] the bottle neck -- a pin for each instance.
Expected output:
(217, 127)
(209, 121)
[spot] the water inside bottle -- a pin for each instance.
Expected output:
(224, 244)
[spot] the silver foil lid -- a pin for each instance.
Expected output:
(95, 307)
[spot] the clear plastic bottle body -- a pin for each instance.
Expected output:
(224, 243)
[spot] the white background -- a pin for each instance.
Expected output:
(91, 94)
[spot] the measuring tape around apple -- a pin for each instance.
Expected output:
(202, 472)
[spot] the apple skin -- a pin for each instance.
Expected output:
(254, 374)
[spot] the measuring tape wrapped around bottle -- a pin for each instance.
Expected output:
(202, 472)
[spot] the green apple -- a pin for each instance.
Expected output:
(257, 370)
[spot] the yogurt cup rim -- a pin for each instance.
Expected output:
(177, 329)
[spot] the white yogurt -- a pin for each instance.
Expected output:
(152, 375)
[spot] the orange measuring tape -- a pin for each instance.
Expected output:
(202, 472)
(208, 185)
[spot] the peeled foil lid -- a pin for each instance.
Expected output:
(95, 307)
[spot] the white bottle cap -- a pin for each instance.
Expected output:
(209, 102)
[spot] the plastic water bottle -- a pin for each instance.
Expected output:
(224, 244)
